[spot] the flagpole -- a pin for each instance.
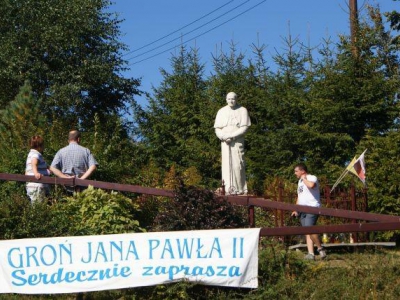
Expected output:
(339, 179)
(348, 169)
(344, 173)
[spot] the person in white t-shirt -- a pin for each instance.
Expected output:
(36, 166)
(308, 194)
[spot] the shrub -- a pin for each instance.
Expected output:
(20, 219)
(194, 208)
(95, 211)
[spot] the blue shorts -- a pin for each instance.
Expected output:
(308, 219)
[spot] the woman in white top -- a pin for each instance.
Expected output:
(36, 166)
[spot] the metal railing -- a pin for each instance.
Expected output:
(377, 222)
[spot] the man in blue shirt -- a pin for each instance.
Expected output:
(73, 160)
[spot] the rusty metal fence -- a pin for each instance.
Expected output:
(360, 221)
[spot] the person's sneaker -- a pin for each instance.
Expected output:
(322, 253)
(309, 256)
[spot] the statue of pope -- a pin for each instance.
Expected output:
(231, 123)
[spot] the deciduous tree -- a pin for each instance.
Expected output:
(70, 52)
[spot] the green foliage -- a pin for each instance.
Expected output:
(176, 126)
(20, 219)
(394, 20)
(357, 276)
(151, 175)
(95, 211)
(19, 121)
(69, 50)
(277, 115)
(383, 178)
(356, 93)
(90, 212)
(309, 110)
(280, 272)
(10, 217)
(194, 208)
(119, 158)
(322, 112)
(192, 177)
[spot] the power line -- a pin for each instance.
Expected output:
(169, 49)
(161, 38)
(170, 41)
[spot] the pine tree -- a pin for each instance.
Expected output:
(19, 121)
(177, 126)
(355, 94)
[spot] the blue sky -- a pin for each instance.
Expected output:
(154, 29)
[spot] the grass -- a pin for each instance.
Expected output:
(283, 274)
(366, 274)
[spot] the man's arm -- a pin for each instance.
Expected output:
(88, 172)
(58, 173)
(295, 213)
(308, 183)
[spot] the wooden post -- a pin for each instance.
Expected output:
(365, 198)
(353, 208)
(353, 26)
(252, 220)
(280, 199)
(327, 191)
(280, 212)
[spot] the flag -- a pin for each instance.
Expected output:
(351, 164)
(357, 167)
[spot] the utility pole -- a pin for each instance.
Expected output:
(353, 26)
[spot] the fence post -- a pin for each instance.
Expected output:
(280, 212)
(365, 198)
(280, 199)
(252, 219)
(327, 192)
(353, 208)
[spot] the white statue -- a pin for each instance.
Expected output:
(230, 125)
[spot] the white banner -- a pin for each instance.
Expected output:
(92, 263)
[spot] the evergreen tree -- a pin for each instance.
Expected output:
(382, 172)
(394, 20)
(177, 127)
(357, 93)
(316, 111)
(280, 138)
(19, 121)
